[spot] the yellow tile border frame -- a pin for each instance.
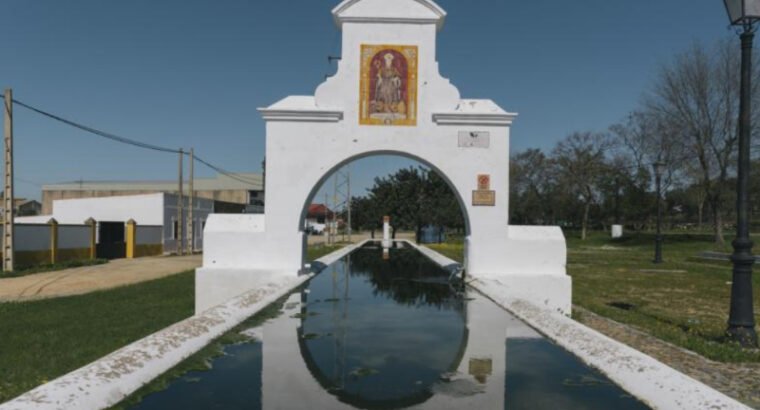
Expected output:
(368, 52)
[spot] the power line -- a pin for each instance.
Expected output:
(226, 173)
(130, 141)
(97, 132)
(26, 181)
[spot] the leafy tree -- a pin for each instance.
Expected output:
(413, 197)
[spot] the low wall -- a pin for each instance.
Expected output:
(148, 241)
(34, 243)
(25, 259)
(149, 250)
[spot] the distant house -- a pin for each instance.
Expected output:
(27, 207)
(22, 207)
(318, 214)
(244, 190)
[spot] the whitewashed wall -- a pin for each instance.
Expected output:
(37, 219)
(144, 209)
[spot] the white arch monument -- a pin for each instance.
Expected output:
(386, 98)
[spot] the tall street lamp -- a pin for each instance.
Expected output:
(659, 167)
(741, 321)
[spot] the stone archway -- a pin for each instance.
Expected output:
(387, 96)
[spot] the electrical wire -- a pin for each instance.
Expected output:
(97, 132)
(227, 173)
(132, 142)
(26, 181)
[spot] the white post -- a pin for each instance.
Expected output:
(617, 231)
(387, 232)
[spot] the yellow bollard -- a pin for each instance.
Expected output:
(53, 240)
(131, 238)
(93, 237)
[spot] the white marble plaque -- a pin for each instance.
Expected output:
(474, 139)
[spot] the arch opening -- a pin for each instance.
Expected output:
(313, 197)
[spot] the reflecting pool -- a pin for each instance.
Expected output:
(376, 331)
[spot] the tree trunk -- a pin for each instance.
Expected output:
(585, 220)
(700, 211)
(372, 233)
(718, 218)
(717, 222)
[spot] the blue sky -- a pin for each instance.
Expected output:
(190, 73)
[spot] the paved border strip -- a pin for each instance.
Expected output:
(655, 383)
(111, 379)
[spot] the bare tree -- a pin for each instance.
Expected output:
(580, 162)
(646, 138)
(532, 177)
(697, 96)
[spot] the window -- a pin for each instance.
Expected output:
(254, 198)
(175, 229)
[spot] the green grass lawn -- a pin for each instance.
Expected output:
(683, 301)
(42, 340)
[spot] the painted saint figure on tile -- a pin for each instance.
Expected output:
(388, 85)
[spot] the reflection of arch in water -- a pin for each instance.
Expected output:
(407, 278)
(424, 392)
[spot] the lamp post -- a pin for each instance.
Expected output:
(659, 167)
(741, 321)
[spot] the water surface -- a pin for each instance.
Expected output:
(375, 332)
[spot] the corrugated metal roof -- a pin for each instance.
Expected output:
(220, 183)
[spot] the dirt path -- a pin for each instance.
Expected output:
(87, 279)
(738, 380)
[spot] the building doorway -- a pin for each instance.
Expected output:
(111, 242)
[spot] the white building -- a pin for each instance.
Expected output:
(112, 213)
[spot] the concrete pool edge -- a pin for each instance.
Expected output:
(109, 380)
(651, 381)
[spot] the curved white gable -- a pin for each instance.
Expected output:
(389, 11)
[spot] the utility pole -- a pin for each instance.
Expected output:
(190, 227)
(8, 245)
(335, 209)
(180, 206)
(342, 200)
(348, 201)
(327, 223)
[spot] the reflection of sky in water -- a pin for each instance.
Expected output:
(370, 345)
(541, 375)
(234, 383)
(388, 346)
